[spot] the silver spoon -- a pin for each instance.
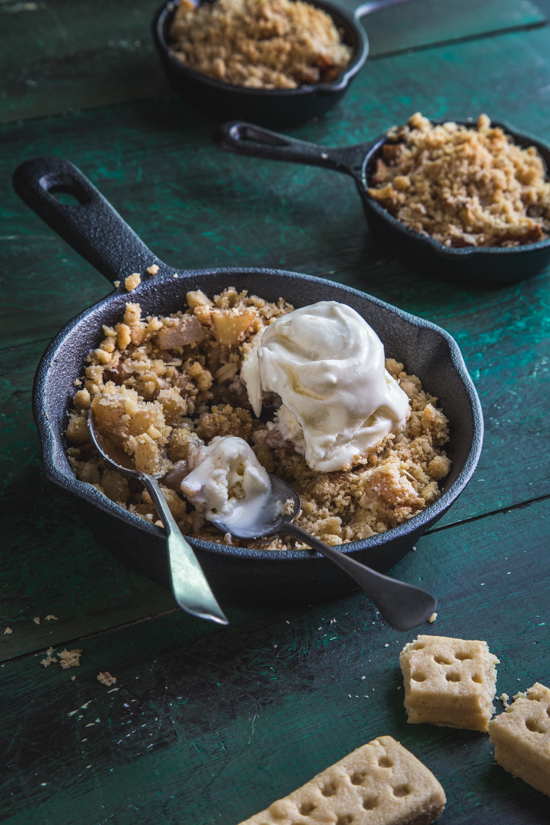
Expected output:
(191, 589)
(402, 605)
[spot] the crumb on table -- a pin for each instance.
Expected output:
(69, 658)
(105, 678)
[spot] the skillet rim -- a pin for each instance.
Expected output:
(52, 443)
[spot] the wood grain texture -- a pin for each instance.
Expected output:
(212, 724)
(98, 53)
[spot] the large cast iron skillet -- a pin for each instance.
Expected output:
(100, 235)
(490, 266)
(269, 107)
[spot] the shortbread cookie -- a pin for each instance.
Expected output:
(380, 783)
(449, 682)
(521, 737)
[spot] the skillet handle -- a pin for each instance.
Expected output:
(91, 226)
(361, 8)
(247, 139)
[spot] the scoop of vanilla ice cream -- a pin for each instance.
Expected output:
(228, 482)
(328, 366)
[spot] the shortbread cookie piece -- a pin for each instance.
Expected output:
(521, 737)
(380, 783)
(449, 682)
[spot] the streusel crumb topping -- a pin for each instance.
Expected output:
(464, 186)
(267, 44)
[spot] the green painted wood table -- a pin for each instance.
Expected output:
(205, 724)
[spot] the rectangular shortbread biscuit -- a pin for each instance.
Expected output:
(521, 737)
(449, 682)
(380, 783)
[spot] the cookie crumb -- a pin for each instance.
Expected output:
(36, 620)
(48, 660)
(132, 281)
(152, 270)
(432, 618)
(116, 284)
(70, 658)
(51, 618)
(105, 678)
(8, 631)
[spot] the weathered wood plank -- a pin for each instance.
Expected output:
(212, 724)
(60, 55)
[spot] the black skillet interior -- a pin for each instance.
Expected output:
(95, 230)
(269, 107)
(488, 266)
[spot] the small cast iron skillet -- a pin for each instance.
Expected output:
(490, 266)
(269, 107)
(95, 230)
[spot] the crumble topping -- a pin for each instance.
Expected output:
(267, 44)
(161, 387)
(132, 281)
(464, 186)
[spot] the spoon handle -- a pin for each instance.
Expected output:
(191, 589)
(402, 605)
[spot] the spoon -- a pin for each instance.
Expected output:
(402, 605)
(191, 589)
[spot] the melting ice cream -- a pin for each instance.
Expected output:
(228, 482)
(328, 367)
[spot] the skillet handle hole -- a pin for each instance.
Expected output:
(66, 191)
(66, 198)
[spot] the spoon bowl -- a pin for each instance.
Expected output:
(402, 605)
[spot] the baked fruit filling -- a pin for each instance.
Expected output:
(162, 388)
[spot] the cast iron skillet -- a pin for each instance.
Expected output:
(100, 235)
(489, 266)
(269, 107)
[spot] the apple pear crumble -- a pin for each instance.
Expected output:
(263, 44)
(163, 387)
(463, 185)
